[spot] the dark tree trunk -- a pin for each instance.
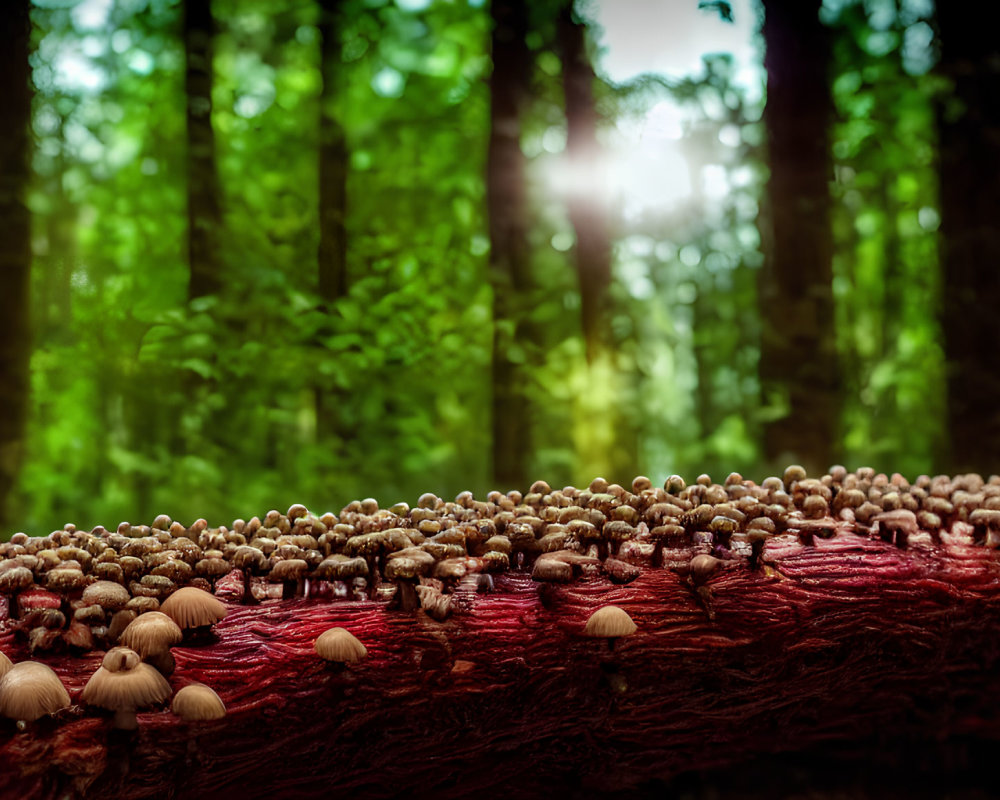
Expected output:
(15, 242)
(588, 211)
(969, 177)
(332, 254)
(332, 162)
(509, 252)
(204, 212)
(798, 359)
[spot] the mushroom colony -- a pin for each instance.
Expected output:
(468, 612)
(80, 590)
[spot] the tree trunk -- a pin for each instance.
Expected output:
(509, 252)
(204, 212)
(332, 162)
(15, 243)
(332, 254)
(588, 210)
(798, 360)
(969, 176)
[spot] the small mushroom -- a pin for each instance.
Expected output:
(340, 646)
(108, 595)
(611, 623)
(152, 635)
(191, 607)
(5, 664)
(30, 690)
(198, 703)
(123, 684)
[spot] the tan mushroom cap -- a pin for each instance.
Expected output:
(108, 595)
(191, 607)
(609, 622)
(151, 633)
(198, 703)
(340, 645)
(128, 684)
(31, 690)
(5, 664)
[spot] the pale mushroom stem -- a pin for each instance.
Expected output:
(125, 719)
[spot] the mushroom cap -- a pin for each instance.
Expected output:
(552, 570)
(340, 645)
(609, 622)
(132, 685)
(151, 633)
(198, 703)
(5, 664)
(106, 594)
(289, 569)
(31, 690)
(191, 607)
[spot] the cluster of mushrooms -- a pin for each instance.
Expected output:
(131, 675)
(79, 590)
(139, 590)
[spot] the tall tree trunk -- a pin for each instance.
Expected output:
(969, 177)
(588, 210)
(15, 243)
(204, 212)
(332, 255)
(332, 162)
(798, 360)
(609, 446)
(509, 252)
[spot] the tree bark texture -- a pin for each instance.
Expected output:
(587, 202)
(204, 210)
(969, 178)
(15, 242)
(509, 252)
(798, 360)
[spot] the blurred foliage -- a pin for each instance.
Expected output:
(118, 429)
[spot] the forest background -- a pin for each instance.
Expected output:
(312, 250)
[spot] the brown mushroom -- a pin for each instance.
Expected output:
(30, 690)
(611, 623)
(123, 684)
(340, 646)
(198, 703)
(152, 635)
(192, 608)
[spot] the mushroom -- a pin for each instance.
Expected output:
(198, 703)
(193, 608)
(152, 635)
(14, 579)
(611, 623)
(30, 690)
(5, 664)
(250, 561)
(291, 573)
(108, 595)
(123, 684)
(340, 646)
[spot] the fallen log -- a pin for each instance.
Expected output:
(844, 635)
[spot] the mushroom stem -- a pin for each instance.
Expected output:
(163, 662)
(248, 598)
(406, 595)
(125, 720)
